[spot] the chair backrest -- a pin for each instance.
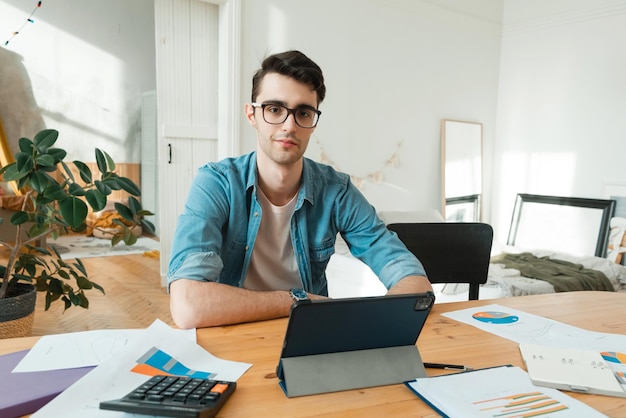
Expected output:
(451, 252)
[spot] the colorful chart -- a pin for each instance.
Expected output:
(495, 317)
(521, 405)
(155, 361)
(614, 357)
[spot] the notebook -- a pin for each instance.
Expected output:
(339, 344)
(584, 371)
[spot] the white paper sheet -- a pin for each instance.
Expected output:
(523, 327)
(497, 392)
(112, 379)
(81, 349)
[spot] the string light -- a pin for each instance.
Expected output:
(28, 20)
(376, 177)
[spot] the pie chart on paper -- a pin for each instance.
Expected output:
(493, 317)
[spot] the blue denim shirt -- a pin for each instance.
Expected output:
(217, 230)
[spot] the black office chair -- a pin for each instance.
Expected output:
(451, 252)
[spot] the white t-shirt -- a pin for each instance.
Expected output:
(273, 264)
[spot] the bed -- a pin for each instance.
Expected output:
(572, 235)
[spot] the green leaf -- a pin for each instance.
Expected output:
(80, 266)
(48, 300)
(116, 239)
(58, 154)
(67, 170)
(110, 161)
(76, 190)
(55, 192)
(74, 211)
(31, 269)
(112, 182)
(83, 282)
(97, 286)
(19, 218)
(103, 188)
(24, 161)
(129, 237)
(148, 225)
(84, 302)
(3, 169)
(124, 211)
(55, 286)
(96, 199)
(45, 160)
(134, 205)
(38, 181)
(84, 171)
(144, 212)
(129, 186)
(74, 298)
(46, 138)
(37, 230)
(101, 161)
(25, 145)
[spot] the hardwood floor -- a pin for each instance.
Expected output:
(134, 298)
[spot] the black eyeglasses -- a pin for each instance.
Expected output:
(275, 114)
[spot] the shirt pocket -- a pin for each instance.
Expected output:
(319, 258)
(233, 256)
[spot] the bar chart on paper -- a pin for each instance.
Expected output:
(156, 361)
(522, 405)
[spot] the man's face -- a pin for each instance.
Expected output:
(284, 143)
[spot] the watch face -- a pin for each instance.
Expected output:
(298, 294)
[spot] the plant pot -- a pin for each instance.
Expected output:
(17, 311)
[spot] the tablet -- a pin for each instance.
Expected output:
(318, 327)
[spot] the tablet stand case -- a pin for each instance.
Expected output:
(335, 353)
(333, 372)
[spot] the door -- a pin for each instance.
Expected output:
(197, 98)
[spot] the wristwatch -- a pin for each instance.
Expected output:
(298, 295)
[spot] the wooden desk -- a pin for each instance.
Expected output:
(443, 340)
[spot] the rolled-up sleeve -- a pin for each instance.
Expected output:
(196, 266)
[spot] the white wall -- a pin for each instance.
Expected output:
(393, 70)
(553, 79)
(81, 68)
(561, 124)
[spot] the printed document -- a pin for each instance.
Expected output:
(496, 392)
(114, 377)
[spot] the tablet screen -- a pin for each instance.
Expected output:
(337, 325)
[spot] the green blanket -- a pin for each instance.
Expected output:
(562, 275)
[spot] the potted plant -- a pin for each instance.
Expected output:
(55, 203)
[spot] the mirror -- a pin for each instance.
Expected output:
(461, 152)
(573, 225)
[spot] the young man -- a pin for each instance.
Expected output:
(258, 230)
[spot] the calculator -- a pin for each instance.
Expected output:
(175, 396)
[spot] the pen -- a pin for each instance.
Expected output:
(446, 366)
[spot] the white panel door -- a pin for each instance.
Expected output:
(191, 36)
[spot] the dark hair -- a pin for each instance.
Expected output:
(292, 64)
